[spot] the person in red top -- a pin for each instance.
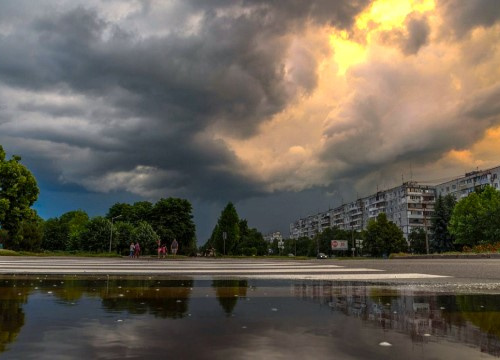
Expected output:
(137, 250)
(164, 250)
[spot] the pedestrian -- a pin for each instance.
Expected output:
(137, 250)
(132, 249)
(174, 247)
(159, 248)
(164, 250)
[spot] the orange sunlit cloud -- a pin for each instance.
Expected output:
(410, 94)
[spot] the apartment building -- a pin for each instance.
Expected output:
(464, 185)
(410, 206)
(273, 236)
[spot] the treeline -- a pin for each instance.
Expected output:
(142, 222)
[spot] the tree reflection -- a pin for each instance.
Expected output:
(228, 292)
(482, 311)
(11, 311)
(166, 299)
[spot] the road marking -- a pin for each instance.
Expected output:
(312, 270)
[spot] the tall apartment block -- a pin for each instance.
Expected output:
(410, 206)
(463, 186)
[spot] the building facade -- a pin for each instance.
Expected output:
(410, 206)
(464, 185)
(273, 236)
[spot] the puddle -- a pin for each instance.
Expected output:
(70, 317)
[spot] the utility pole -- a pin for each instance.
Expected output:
(224, 237)
(111, 234)
(425, 227)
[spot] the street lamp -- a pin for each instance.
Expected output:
(111, 234)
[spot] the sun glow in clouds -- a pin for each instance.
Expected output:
(382, 15)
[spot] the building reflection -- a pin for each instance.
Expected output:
(469, 319)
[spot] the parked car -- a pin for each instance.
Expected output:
(321, 256)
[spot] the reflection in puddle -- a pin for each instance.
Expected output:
(113, 317)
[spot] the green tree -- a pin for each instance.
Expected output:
(416, 238)
(54, 236)
(303, 244)
(251, 241)
(383, 237)
(147, 238)
(122, 237)
(18, 192)
(142, 211)
(228, 223)
(95, 237)
(28, 236)
(74, 223)
(65, 232)
(441, 239)
(123, 210)
(476, 218)
(172, 218)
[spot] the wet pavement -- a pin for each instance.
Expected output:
(242, 309)
(116, 317)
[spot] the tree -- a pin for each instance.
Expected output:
(441, 239)
(416, 238)
(95, 237)
(147, 238)
(476, 218)
(303, 244)
(122, 237)
(18, 192)
(54, 238)
(65, 232)
(251, 241)
(172, 218)
(28, 236)
(228, 223)
(383, 237)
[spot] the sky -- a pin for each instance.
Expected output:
(285, 108)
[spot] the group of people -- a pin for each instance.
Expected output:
(135, 249)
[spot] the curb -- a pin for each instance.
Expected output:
(451, 256)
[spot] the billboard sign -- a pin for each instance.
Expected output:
(339, 245)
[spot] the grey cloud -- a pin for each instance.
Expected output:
(463, 16)
(150, 97)
(418, 35)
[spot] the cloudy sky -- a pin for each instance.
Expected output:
(284, 108)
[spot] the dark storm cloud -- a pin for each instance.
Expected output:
(463, 16)
(148, 99)
(418, 35)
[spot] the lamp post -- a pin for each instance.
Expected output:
(111, 234)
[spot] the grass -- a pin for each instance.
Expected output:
(5, 252)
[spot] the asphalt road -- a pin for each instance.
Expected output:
(467, 273)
